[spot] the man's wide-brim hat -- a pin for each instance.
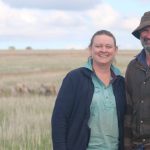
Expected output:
(145, 21)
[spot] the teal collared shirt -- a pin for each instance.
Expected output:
(103, 120)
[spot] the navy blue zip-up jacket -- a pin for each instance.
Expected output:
(71, 112)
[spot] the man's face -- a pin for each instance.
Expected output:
(145, 38)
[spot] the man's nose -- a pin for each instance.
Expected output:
(148, 34)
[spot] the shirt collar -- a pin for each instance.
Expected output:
(115, 71)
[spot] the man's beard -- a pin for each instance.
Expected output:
(146, 44)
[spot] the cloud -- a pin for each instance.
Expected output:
(53, 4)
(103, 16)
(31, 23)
(130, 23)
(145, 1)
(67, 27)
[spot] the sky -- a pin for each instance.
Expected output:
(68, 24)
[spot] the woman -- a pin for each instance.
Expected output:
(90, 106)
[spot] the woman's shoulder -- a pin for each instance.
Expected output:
(120, 81)
(79, 72)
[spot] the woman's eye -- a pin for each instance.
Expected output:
(98, 46)
(108, 46)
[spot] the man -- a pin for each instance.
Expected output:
(137, 122)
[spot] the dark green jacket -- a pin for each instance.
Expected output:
(137, 122)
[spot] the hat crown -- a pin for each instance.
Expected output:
(145, 21)
(146, 16)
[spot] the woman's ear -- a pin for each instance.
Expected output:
(116, 49)
(90, 51)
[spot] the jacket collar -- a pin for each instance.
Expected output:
(141, 58)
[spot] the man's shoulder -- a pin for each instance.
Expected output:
(132, 62)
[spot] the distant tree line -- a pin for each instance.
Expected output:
(14, 48)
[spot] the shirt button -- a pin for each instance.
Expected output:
(142, 101)
(143, 140)
(141, 121)
(144, 82)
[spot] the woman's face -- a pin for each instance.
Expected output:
(103, 50)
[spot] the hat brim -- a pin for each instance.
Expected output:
(136, 32)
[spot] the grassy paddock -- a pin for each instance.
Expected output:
(25, 123)
(25, 119)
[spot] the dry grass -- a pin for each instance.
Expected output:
(25, 123)
(25, 120)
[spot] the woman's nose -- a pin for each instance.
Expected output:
(103, 49)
